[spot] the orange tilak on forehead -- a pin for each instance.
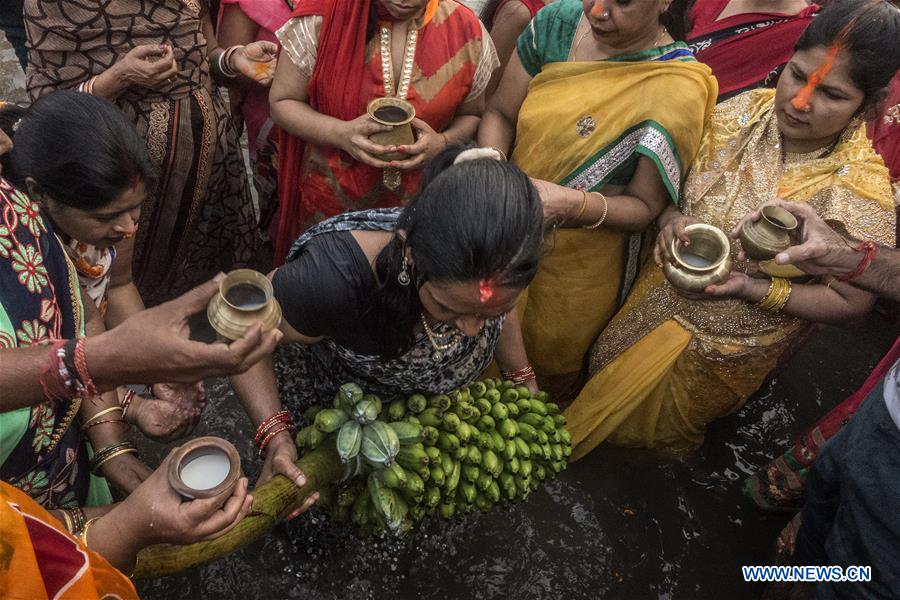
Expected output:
(815, 79)
(597, 8)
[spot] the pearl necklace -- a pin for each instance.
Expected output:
(440, 344)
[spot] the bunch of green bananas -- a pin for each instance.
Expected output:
(447, 454)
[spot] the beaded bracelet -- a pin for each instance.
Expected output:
(602, 218)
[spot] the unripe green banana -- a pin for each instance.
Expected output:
(330, 420)
(525, 468)
(552, 407)
(512, 409)
(473, 455)
(523, 391)
(440, 402)
(430, 435)
(509, 395)
(453, 479)
(484, 405)
(414, 484)
(460, 453)
(491, 463)
(484, 441)
(512, 465)
(499, 411)
(542, 396)
(447, 463)
(509, 450)
(393, 477)
(431, 417)
(498, 443)
(414, 420)
(414, 458)
(528, 432)
(567, 450)
(315, 437)
(543, 438)
(484, 481)
(432, 496)
(493, 492)
(536, 450)
(547, 451)
(522, 449)
(533, 419)
(538, 407)
(437, 475)
(464, 432)
(482, 502)
(407, 433)
(302, 437)
(486, 423)
(508, 429)
(477, 389)
(447, 510)
(351, 393)
(309, 415)
(493, 396)
(471, 473)
(557, 452)
(450, 422)
(559, 420)
(507, 481)
(506, 384)
(548, 426)
(349, 439)
(416, 403)
(524, 405)
(448, 442)
(523, 485)
(434, 454)
(396, 410)
(539, 471)
(468, 491)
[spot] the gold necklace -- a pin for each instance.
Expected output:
(440, 344)
(662, 32)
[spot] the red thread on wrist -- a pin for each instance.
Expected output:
(81, 366)
(870, 250)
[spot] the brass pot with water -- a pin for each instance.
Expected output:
(397, 113)
(771, 234)
(245, 297)
(706, 261)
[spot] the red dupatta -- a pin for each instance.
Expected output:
(334, 89)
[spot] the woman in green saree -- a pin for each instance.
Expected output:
(604, 110)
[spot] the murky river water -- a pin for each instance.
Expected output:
(619, 524)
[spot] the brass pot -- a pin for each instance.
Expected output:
(771, 234)
(706, 261)
(204, 467)
(397, 113)
(245, 297)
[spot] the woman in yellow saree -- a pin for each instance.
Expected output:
(668, 365)
(604, 110)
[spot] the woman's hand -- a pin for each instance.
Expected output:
(256, 61)
(281, 454)
(353, 138)
(151, 66)
(427, 145)
(172, 413)
(740, 285)
(672, 225)
(560, 203)
(160, 515)
(126, 472)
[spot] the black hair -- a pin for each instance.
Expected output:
(480, 219)
(872, 42)
(80, 150)
(676, 19)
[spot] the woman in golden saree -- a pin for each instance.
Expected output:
(668, 365)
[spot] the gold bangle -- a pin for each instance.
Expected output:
(784, 297)
(83, 535)
(101, 422)
(97, 465)
(93, 417)
(583, 205)
(77, 518)
(603, 216)
(765, 299)
(67, 518)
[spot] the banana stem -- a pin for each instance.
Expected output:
(272, 502)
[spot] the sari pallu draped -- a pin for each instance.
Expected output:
(666, 366)
(41, 451)
(199, 218)
(453, 62)
(588, 273)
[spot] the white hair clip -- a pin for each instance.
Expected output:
(476, 153)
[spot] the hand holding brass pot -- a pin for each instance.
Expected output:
(706, 261)
(771, 234)
(397, 113)
(245, 297)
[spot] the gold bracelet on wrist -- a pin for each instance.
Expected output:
(87, 424)
(602, 218)
(583, 206)
(67, 521)
(778, 295)
(84, 532)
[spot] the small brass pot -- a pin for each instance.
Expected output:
(245, 297)
(397, 113)
(216, 472)
(706, 261)
(771, 234)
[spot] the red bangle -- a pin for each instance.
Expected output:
(275, 431)
(278, 418)
(81, 366)
(523, 375)
(126, 401)
(870, 250)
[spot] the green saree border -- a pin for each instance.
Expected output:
(624, 143)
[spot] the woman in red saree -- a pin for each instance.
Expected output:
(336, 57)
